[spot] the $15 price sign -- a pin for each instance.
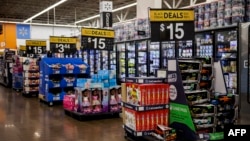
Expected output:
(63, 44)
(172, 25)
(97, 39)
(35, 47)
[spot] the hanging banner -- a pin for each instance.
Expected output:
(35, 47)
(97, 39)
(171, 25)
(63, 44)
(106, 8)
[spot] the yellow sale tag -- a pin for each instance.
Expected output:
(35, 43)
(159, 15)
(68, 40)
(98, 32)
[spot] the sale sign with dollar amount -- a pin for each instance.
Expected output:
(97, 39)
(35, 47)
(63, 44)
(171, 25)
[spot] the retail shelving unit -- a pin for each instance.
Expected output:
(17, 74)
(58, 77)
(134, 56)
(145, 102)
(6, 63)
(31, 75)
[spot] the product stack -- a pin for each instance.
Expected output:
(31, 76)
(94, 96)
(219, 13)
(145, 102)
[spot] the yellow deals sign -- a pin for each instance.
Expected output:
(35, 43)
(22, 47)
(159, 15)
(98, 32)
(69, 40)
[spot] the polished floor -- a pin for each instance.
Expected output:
(26, 119)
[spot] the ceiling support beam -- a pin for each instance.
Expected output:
(123, 16)
(167, 4)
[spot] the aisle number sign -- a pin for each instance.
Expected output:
(97, 39)
(63, 44)
(172, 25)
(34, 47)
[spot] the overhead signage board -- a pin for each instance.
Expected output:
(171, 25)
(65, 45)
(35, 47)
(97, 39)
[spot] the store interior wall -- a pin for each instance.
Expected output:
(8, 37)
(40, 32)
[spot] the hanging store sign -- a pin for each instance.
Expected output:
(97, 39)
(63, 44)
(106, 8)
(171, 25)
(35, 47)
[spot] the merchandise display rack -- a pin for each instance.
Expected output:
(31, 77)
(139, 105)
(58, 77)
(83, 105)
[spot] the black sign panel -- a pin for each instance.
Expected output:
(63, 45)
(35, 49)
(97, 39)
(106, 18)
(172, 31)
(171, 25)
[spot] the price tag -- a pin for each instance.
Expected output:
(34, 47)
(97, 39)
(63, 44)
(172, 25)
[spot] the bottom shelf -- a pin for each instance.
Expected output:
(132, 135)
(92, 116)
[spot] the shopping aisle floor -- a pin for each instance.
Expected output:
(26, 119)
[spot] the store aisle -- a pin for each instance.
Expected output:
(26, 119)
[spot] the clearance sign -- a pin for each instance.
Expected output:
(171, 25)
(97, 39)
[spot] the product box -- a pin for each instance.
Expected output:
(31, 74)
(105, 99)
(96, 100)
(113, 103)
(69, 102)
(147, 120)
(85, 101)
(147, 94)
(202, 110)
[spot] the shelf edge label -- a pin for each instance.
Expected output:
(98, 32)
(159, 15)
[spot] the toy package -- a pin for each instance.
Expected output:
(119, 97)
(105, 100)
(86, 101)
(113, 100)
(96, 100)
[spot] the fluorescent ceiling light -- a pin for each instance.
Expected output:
(115, 10)
(45, 10)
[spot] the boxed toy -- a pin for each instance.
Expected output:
(119, 96)
(113, 100)
(105, 99)
(85, 101)
(96, 100)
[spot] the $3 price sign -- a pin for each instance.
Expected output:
(63, 45)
